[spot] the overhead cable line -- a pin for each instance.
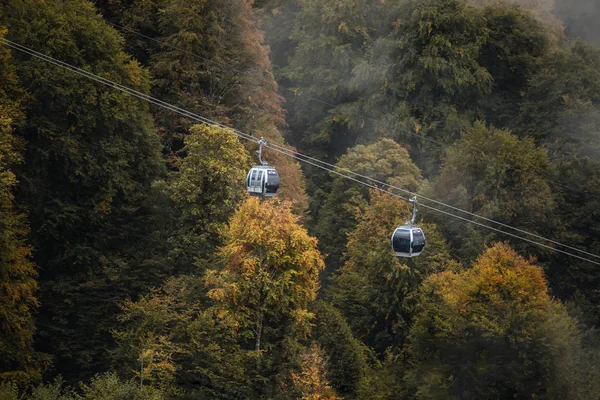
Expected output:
(441, 145)
(298, 156)
(438, 144)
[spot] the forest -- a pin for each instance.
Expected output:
(134, 264)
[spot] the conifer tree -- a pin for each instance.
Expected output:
(345, 355)
(18, 286)
(90, 159)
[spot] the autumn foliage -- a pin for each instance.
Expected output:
(135, 265)
(492, 331)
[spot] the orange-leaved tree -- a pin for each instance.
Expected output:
(492, 332)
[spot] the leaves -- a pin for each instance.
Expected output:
(269, 275)
(205, 191)
(375, 290)
(490, 324)
(90, 158)
(385, 161)
(18, 286)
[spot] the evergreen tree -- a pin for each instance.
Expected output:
(344, 354)
(516, 42)
(435, 61)
(329, 38)
(562, 110)
(90, 159)
(579, 186)
(276, 17)
(562, 98)
(381, 379)
(18, 286)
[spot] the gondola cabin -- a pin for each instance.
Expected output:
(262, 180)
(408, 241)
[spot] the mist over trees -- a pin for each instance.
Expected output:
(134, 265)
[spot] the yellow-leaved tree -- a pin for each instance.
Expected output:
(269, 275)
(311, 382)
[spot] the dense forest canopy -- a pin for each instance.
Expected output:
(134, 264)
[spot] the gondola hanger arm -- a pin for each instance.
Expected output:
(261, 144)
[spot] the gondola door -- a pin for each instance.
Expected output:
(255, 185)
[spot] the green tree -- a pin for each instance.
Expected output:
(171, 340)
(105, 386)
(380, 381)
(562, 110)
(329, 40)
(578, 183)
(434, 73)
(90, 159)
(562, 97)
(212, 61)
(205, 190)
(345, 355)
(491, 332)
(383, 160)
(276, 17)
(436, 58)
(18, 285)
(516, 42)
(269, 275)
(408, 70)
(493, 173)
(375, 290)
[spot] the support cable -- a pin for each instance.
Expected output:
(301, 157)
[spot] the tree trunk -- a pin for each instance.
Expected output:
(259, 327)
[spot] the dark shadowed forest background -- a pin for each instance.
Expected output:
(133, 264)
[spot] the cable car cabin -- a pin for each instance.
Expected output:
(408, 241)
(262, 180)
